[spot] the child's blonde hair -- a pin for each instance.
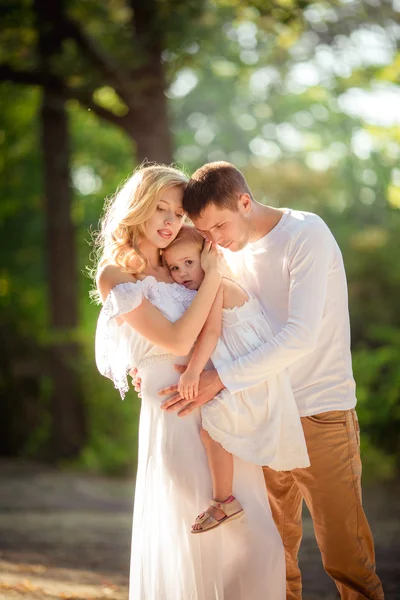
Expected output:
(187, 235)
(190, 235)
(126, 214)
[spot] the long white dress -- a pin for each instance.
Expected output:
(242, 560)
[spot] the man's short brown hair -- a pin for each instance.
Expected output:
(218, 183)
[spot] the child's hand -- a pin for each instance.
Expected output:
(212, 258)
(188, 386)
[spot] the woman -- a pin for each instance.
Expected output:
(147, 321)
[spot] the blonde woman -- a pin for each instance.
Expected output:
(151, 322)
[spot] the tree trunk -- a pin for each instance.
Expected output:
(69, 428)
(148, 120)
(68, 415)
(60, 234)
(150, 129)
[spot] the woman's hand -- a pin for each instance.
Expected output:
(188, 386)
(212, 258)
(136, 381)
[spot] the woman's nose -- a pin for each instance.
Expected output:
(169, 219)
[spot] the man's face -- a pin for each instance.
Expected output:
(225, 227)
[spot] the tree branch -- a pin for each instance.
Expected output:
(67, 27)
(33, 77)
(84, 97)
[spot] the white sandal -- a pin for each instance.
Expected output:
(232, 509)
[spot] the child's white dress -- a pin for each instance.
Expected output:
(261, 424)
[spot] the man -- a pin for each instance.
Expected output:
(291, 262)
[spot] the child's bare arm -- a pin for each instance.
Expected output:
(209, 336)
(205, 346)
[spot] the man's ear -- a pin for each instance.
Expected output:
(245, 202)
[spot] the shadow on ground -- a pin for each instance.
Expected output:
(67, 535)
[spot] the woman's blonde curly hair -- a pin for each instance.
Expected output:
(122, 226)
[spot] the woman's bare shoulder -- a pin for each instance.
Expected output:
(110, 276)
(234, 295)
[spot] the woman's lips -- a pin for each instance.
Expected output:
(164, 233)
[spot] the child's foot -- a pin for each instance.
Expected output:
(213, 511)
(216, 514)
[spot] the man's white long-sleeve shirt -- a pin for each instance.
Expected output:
(296, 271)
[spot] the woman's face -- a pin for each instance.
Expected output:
(164, 225)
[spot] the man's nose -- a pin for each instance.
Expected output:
(215, 237)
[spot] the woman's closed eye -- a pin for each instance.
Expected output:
(180, 215)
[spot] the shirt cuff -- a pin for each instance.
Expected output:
(226, 375)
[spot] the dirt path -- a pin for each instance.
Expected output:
(67, 535)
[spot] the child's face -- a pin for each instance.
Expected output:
(183, 261)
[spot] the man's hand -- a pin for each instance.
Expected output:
(209, 386)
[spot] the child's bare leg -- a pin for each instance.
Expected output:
(221, 467)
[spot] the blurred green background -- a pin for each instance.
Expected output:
(304, 97)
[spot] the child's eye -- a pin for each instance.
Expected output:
(189, 262)
(219, 226)
(173, 268)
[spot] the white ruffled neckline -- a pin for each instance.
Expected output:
(149, 282)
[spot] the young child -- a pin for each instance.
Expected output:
(260, 425)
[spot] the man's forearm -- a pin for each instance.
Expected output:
(266, 361)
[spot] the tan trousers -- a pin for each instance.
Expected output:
(331, 488)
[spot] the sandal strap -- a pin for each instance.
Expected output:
(205, 518)
(228, 508)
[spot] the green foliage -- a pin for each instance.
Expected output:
(233, 95)
(112, 444)
(21, 226)
(378, 389)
